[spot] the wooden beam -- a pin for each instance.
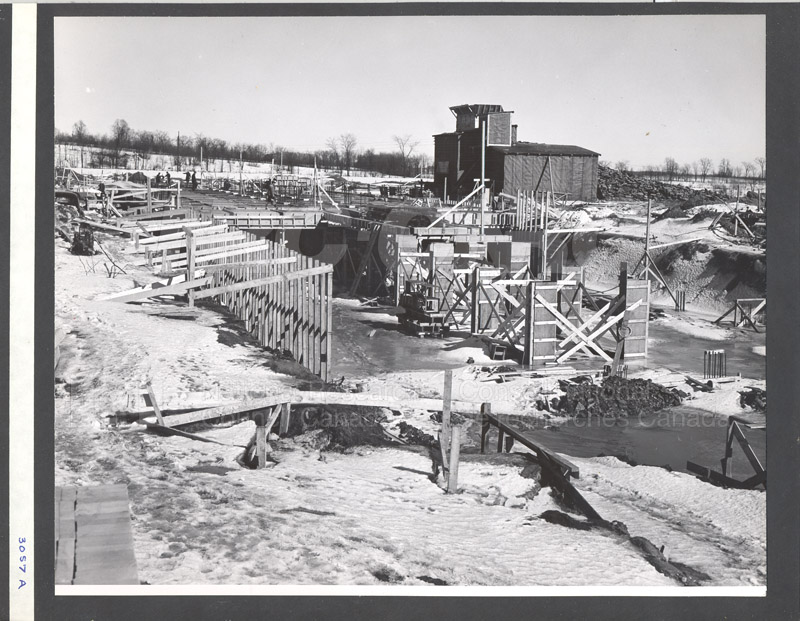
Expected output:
(153, 402)
(165, 290)
(102, 227)
(286, 277)
(455, 453)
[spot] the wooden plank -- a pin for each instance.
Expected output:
(236, 410)
(104, 546)
(214, 253)
(286, 278)
(455, 452)
(286, 413)
(249, 264)
(102, 227)
(261, 446)
(172, 280)
(175, 289)
(65, 534)
(180, 242)
(153, 402)
(540, 450)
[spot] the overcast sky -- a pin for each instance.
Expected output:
(631, 88)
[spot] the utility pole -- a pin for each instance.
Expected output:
(647, 244)
(179, 151)
(315, 182)
(483, 172)
(241, 170)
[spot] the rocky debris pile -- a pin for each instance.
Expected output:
(616, 397)
(412, 435)
(339, 427)
(615, 185)
(753, 397)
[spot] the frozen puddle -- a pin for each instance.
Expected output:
(668, 438)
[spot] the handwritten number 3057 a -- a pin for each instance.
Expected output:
(22, 559)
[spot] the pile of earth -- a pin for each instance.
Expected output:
(616, 185)
(616, 397)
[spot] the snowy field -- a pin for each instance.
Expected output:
(367, 516)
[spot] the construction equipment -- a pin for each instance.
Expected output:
(83, 241)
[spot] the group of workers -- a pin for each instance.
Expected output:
(166, 179)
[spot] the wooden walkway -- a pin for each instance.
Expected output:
(94, 541)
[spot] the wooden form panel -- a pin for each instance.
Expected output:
(284, 298)
(540, 326)
(94, 540)
(637, 318)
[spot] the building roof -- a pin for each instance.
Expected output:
(537, 148)
(476, 109)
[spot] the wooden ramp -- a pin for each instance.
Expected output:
(94, 541)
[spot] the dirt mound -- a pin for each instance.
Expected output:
(615, 185)
(341, 427)
(712, 277)
(617, 397)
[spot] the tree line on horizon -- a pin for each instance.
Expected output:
(701, 169)
(341, 152)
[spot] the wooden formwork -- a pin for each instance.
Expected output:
(284, 299)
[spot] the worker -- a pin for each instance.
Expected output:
(188, 178)
(168, 178)
(158, 180)
(194, 180)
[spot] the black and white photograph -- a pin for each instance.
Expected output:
(388, 301)
(414, 303)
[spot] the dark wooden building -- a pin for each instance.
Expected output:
(512, 166)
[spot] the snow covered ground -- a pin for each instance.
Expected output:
(368, 516)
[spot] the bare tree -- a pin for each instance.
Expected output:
(724, 169)
(348, 144)
(79, 132)
(686, 169)
(671, 168)
(622, 166)
(762, 164)
(333, 151)
(749, 169)
(406, 145)
(120, 137)
(695, 169)
(706, 166)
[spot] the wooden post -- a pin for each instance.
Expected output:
(444, 436)
(156, 409)
(261, 446)
(736, 213)
(455, 451)
(529, 330)
(285, 415)
(178, 196)
(190, 257)
(486, 409)
(149, 198)
(483, 172)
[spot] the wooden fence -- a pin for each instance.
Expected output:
(283, 297)
(286, 305)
